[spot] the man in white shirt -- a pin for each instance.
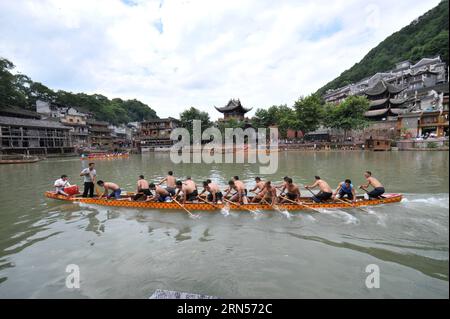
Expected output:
(89, 175)
(60, 184)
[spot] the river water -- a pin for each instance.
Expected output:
(129, 253)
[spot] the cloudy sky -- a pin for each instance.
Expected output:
(172, 54)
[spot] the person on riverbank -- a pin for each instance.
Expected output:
(187, 191)
(325, 192)
(293, 192)
(161, 194)
(143, 189)
(89, 174)
(60, 184)
(215, 195)
(258, 186)
(114, 188)
(378, 188)
(170, 181)
(268, 194)
(241, 192)
(345, 188)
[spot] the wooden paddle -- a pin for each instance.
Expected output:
(307, 206)
(239, 204)
(351, 205)
(182, 206)
(205, 201)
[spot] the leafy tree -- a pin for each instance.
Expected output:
(187, 116)
(11, 90)
(309, 112)
(349, 115)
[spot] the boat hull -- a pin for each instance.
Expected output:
(172, 206)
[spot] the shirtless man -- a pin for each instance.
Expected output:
(115, 189)
(325, 190)
(240, 184)
(142, 189)
(161, 194)
(214, 191)
(170, 181)
(283, 185)
(378, 188)
(268, 194)
(240, 196)
(258, 186)
(189, 190)
(293, 191)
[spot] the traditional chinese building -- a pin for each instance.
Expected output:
(33, 136)
(100, 134)
(385, 102)
(233, 110)
(156, 133)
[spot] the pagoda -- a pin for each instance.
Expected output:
(233, 110)
(384, 101)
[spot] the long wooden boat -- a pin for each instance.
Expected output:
(308, 204)
(24, 160)
(104, 156)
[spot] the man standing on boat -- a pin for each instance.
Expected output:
(170, 181)
(115, 189)
(345, 189)
(60, 184)
(378, 188)
(325, 190)
(89, 175)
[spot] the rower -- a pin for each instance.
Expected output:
(240, 184)
(325, 190)
(143, 189)
(378, 188)
(161, 194)
(258, 186)
(268, 194)
(170, 181)
(115, 189)
(283, 185)
(345, 188)
(60, 184)
(240, 196)
(188, 189)
(293, 191)
(215, 195)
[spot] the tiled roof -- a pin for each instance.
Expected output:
(15, 121)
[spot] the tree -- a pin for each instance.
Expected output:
(187, 116)
(11, 91)
(349, 115)
(309, 112)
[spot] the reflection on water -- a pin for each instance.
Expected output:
(130, 252)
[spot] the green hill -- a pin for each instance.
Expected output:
(18, 90)
(424, 37)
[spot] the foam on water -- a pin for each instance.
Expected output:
(348, 218)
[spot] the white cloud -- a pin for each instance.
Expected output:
(175, 54)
